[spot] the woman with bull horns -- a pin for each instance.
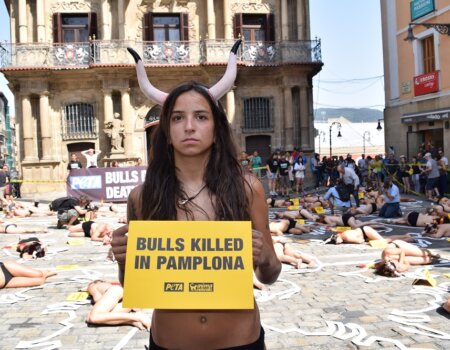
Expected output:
(193, 174)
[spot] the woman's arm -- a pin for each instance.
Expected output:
(267, 266)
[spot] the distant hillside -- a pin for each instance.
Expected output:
(352, 114)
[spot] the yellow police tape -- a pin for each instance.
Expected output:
(45, 181)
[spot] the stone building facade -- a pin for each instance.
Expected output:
(417, 75)
(71, 75)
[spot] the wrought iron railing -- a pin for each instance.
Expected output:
(100, 52)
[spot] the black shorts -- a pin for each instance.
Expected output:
(257, 345)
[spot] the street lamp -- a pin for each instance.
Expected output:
(364, 140)
(321, 133)
(442, 28)
(338, 135)
(379, 127)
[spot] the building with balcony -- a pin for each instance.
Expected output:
(7, 134)
(71, 74)
(417, 75)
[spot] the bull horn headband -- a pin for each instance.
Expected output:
(217, 91)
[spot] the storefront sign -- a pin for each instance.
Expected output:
(426, 83)
(426, 116)
(105, 184)
(189, 265)
(420, 8)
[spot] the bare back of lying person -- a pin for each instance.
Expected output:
(398, 256)
(297, 214)
(437, 231)
(348, 219)
(365, 234)
(108, 310)
(93, 230)
(414, 219)
(289, 255)
(280, 227)
(13, 228)
(183, 183)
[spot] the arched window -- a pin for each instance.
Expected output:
(79, 121)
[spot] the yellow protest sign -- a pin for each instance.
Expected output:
(295, 202)
(319, 210)
(378, 244)
(66, 267)
(189, 265)
(75, 241)
(293, 207)
(77, 296)
(360, 195)
(342, 228)
(432, 281)
(300, 221)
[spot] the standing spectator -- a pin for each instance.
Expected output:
(404, 173)
(391, 206)
(314, 164)
(415, 177)
(363, 169)
(73, 164)
(350, 163)
(326, 170)
(351, 180)
(283, 171)
(115, 164)
(4, 179)
(245, 161)
(15, 186)
(272, 173)
(301, 156)
(256, 164)
(443, 169)
(391, 166)
(299, 169)
(138, 162)
(91, 157)
(376, 169)
(432, 171)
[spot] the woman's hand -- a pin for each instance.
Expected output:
(119, 245)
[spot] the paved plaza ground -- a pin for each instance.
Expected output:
(340, 304)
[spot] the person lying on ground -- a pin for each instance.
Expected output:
(443, 205)
(289, 255)
(108, 310)
(16, 209)
(347, 219)
(446, 305)
(297, 214)
(364, 234)
(399, 255)
(15, 275)
(95, 231)
(364, 209)
(280, 227)
(278, 203)
(414, 219)
(436, 231)
(13, 228)
(31, 248)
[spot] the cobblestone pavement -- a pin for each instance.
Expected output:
(338, 305)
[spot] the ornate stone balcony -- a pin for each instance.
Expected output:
(107, 53)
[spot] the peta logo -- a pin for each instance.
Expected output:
(85, 182)
(173, 286)
(201, 287)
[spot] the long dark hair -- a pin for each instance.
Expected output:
(223, 174)
(31, 247)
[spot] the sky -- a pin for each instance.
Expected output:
(350, 34)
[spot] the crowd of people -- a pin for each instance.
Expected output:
(195, 174)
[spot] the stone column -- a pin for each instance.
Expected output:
(301, 21)
(23, 35)
(284, 20)
(46, 127)
(211, 17)
(40, 22)
(29, 147)
(121, 18)
(228, 27)
(288, 119)
(127, 122)
(106, 19)
(304, 119)
(107, 106)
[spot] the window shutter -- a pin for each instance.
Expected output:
(92, 20)
(270, 27)
(57, 31)
(238, 25)
(184, 27)
(148, 27)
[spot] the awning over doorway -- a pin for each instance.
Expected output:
(426, 116)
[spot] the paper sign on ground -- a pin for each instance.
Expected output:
(189, 265)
